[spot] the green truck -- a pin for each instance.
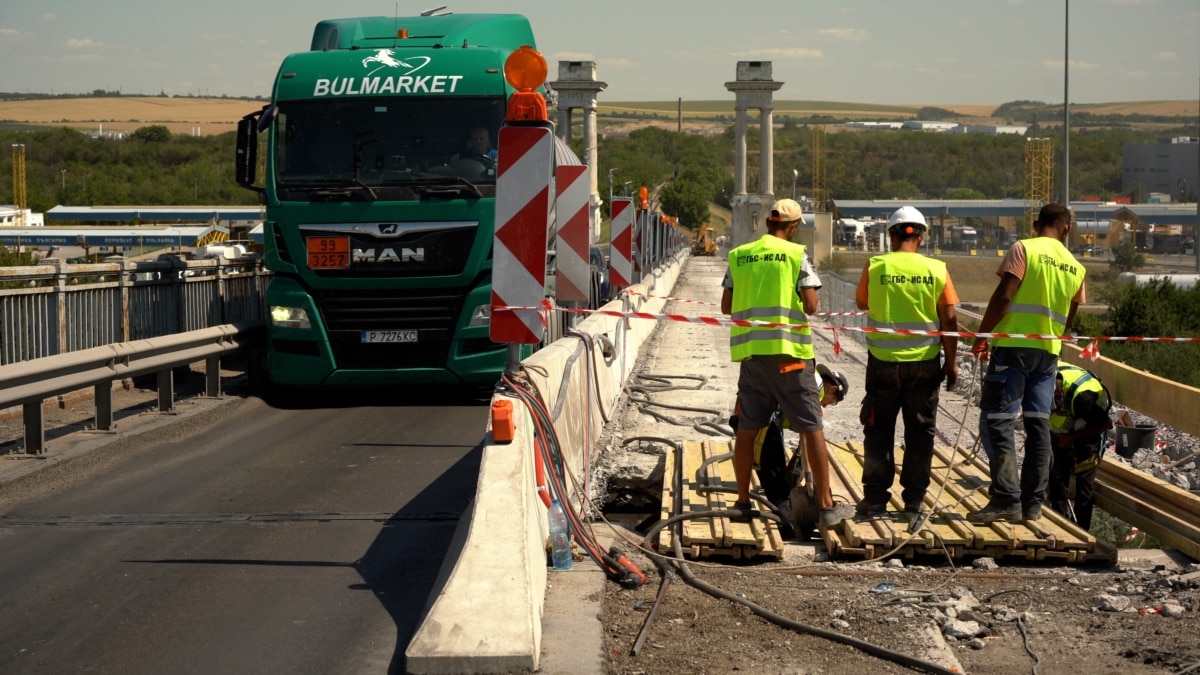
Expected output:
(379, 188)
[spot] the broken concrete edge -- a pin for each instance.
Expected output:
(485, 615)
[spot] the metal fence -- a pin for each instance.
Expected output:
(837, 295)
(47, 310)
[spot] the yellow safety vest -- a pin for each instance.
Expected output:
(1076, 381)
(903, 288)
(765, 273)
(1052, 278)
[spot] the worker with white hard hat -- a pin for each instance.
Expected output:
(904, 290)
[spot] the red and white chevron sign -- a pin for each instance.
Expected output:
(572, 210)
(620, 257)
(524, 167)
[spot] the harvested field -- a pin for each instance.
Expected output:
(219, 115)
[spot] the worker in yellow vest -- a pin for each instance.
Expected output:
(1040, 289)
(773, 280)
(1079, 427)
(904, 290)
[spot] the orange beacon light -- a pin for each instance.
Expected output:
(525, 70)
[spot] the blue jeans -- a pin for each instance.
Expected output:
(1019, 384)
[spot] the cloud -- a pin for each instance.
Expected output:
(847, 34)
(572, 56)
(783, 53)
(619, 63)
(889, 65)
(86, 43)
(1052, 64)
(49, 16)
(11, 35)
(1165, 56)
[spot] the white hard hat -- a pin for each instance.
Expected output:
(909, 216)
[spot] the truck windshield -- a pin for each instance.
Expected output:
(387, 148)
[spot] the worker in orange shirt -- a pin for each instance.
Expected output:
(903, 289)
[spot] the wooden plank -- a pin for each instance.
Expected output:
(1169, 400)
(1162, 490)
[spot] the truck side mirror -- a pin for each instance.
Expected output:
(246, 160)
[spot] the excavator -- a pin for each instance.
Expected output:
(704, 244)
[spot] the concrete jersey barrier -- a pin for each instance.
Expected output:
(486, 615)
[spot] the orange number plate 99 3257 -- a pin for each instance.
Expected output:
(328, 253)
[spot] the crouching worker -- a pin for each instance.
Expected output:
(1079, 425)
(777, 472)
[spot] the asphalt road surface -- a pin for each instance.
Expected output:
(242, 539)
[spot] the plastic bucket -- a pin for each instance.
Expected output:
(1132, 439)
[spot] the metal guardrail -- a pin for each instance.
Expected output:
(29, 383)
(59, 308)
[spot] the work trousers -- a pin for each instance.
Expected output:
(909, 389)
(1019, 384)
(1078, 508)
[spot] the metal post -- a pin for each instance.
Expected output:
(35, 428)
(104, 409)
(166, 391)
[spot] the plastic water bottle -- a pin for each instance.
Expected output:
(560, 538)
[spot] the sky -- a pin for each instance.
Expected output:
(910, 52)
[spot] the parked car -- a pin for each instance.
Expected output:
(601, 284)
(1093, 251)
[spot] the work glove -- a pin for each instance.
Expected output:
(980, 349)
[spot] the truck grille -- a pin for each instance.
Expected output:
(432, 314)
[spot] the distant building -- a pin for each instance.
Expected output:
(8, 217)
(1169, 167)
(921, 125)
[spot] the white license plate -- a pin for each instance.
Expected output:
(377, 336)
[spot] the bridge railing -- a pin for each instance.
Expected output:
(837, 295)
(47, 310)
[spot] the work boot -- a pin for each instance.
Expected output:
(913, 508)
(742, 512)
(834, 515)
(869, 508)
(992, 513)
(1032, 512)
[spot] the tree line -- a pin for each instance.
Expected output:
(684, 172)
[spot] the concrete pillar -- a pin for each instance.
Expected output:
(564, 124)
(766, 156)
(577, 87)
(753, 88)
(739, 152)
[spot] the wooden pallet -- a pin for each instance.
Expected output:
(713, 536)
(947, 532)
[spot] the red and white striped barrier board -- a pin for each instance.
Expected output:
(523, 193)
(573, 280)
(620, 260)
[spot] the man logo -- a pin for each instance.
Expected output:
(388, 228)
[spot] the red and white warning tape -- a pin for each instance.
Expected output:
(715, 304)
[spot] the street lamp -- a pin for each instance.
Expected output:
(795, 177)
(610, 185)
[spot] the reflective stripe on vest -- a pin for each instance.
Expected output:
(1052, 278)
(903, 288)
(765, 273)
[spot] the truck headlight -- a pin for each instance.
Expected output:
(481, 315)
(289, 317)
